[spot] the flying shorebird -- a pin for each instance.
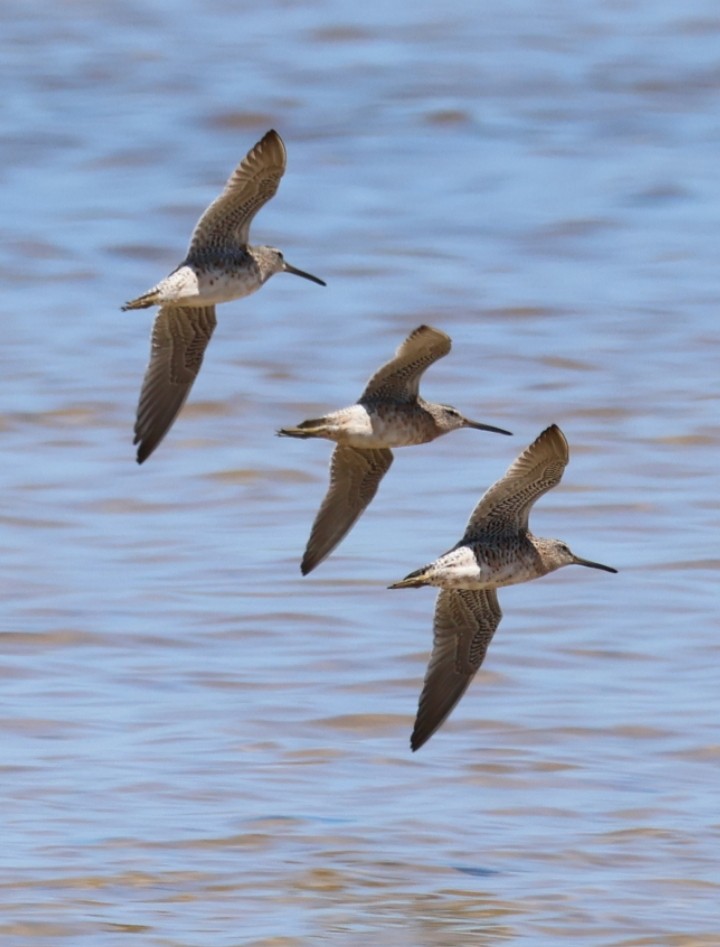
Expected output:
(497, 549)
(220, 266)
(390, 413)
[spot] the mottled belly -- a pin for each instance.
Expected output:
(219, 286)
(372, 430)
(464, 568)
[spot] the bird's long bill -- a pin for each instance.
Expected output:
(486, 427)
(291, 269)
(593, 565)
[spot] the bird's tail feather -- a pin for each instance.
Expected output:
(142, 302)
(415, 580)
(312, 428)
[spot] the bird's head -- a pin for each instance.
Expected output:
(556, 554)
(270, 261)
(450, 419)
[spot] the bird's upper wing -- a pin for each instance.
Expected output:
(464, 624)
(399, 379)
(252, 184)
(354, 478)
(179, 338)
(506, 506)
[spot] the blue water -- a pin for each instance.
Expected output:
(199, 747)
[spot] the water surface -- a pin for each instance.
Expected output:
(202, 748)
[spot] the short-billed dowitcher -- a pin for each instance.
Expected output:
(390, 413)
(497, 549)
(220, 266)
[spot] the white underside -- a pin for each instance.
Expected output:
(356, 427)
(187, 287)
(459, 569)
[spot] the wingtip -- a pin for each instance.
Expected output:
(144, 450)
(271, 135)
(417, 741)
(553, 430)
(139, 454)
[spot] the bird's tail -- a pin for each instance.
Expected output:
(142, 302)
(313, 428)
(415, 580)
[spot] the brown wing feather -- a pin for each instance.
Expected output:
(354, 478)
(399, 379)
(506, 506)
(250, 186)
(179, 338)
(465, 622)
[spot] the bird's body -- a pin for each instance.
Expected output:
(484, 565)
(390, 413)
(370, 424)
(212, 278)
(220, 266)
(497, 549)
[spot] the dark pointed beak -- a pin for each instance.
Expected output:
(291, 269)
(486, 427)
(593, 565)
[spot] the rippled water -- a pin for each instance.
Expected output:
(199, 747)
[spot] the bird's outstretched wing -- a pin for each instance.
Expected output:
(506, 506)
(465, 622)
(179, 338)
(354, 478)
(250, 186)
(399, 379)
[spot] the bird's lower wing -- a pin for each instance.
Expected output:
(179, 338)
(354, 478)
(465, 622)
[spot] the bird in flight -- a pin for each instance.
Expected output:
(390, 413)
(497, 549)
(220, 265)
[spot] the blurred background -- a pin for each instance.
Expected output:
(202, 749)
